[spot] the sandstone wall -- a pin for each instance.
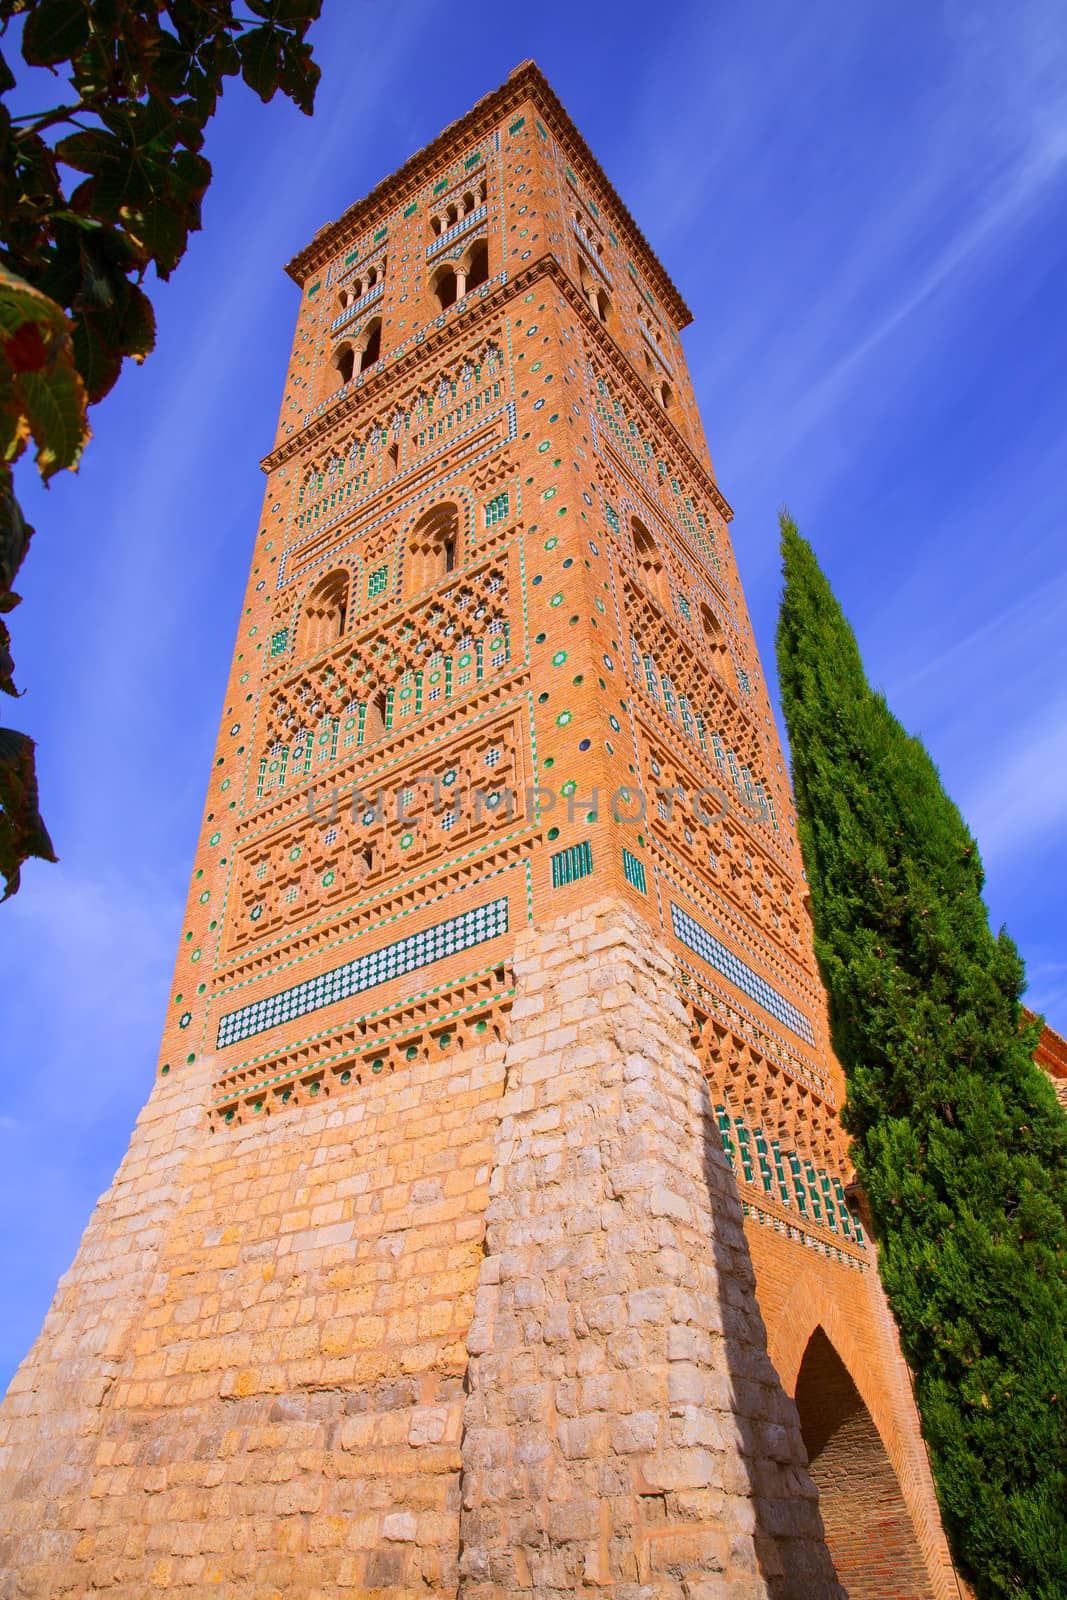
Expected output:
(251, 1381)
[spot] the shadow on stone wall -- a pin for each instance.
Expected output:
(783, 1532)
(624, 1432)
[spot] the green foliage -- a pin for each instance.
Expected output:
(93, 193)
(958, 1139)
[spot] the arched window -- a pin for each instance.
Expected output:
(650, 330)
(477, 264)
(649, 563)
(586, 275)
(444, 287)
(656, 382)
(855, 1478)
(343, 363)
(434, 546)
(372, 346)
(712, 627)
(325, 613)
(597, 296)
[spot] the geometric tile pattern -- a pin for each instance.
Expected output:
(635, 871)
(571, 864)
(749, 982)
(392, 961)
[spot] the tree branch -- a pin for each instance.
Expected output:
(38, 121)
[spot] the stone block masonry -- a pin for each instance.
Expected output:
(251, 1383)
(625, 1432)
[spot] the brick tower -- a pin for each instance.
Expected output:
(488, 1229)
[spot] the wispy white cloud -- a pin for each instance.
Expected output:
(1004, 210)
(1047, 991)
(1044, 604)
(977, 151)
(1021, 796)
(93, 956)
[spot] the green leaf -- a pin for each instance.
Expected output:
(13, 430)
(7, 665)
(299, 14)
(20, 302)
(138, 336)
(299, 77)
(15, 533)
(54, 402)
(96, 356)
(55, 30)
(163, 233)
(22, 830)
(221, 59)
(49, 402)
(103, 334)
(260, 53)
(91, 150)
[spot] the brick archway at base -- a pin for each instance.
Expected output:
(881, 1381)
(868, 1527)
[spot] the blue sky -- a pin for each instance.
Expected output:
(864, 207)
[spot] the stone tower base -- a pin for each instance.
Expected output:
(482, 1329)
(625, 1432)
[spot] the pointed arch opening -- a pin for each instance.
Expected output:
(325, 613)
(650, 568)
(869, 1530)
(478, 265)
(433, 549)
(344, 365)
(594, 291)
(372, 347)
(443, 286)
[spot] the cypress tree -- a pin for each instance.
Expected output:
(957, 1137)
